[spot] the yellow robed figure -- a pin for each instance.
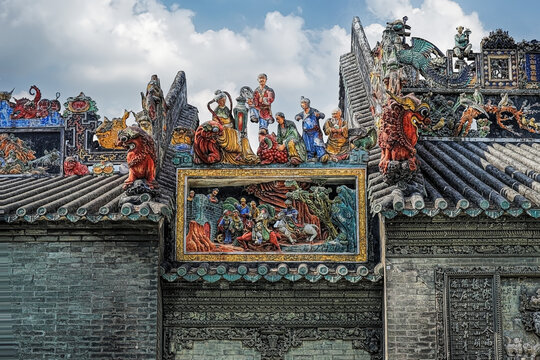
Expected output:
(235, 149)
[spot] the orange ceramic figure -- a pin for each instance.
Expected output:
(73, 167)
(141, 155)
(399, 131)
(107, 132)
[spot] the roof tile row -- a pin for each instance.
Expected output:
(473, 177)
(89, 197)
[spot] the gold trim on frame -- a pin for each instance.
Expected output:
(183, 174)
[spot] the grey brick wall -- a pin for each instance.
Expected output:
(411, 312)
(83, 293)
(327, 350)
(410, 295)
(218, 349)
(230, 321)
(310, 350)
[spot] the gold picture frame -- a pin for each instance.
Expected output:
(227, 175)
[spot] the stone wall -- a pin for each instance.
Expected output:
(83, 291)
(453, 285)
(284, 320)
(309, 350)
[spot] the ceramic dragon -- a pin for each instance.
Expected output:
(398, 136)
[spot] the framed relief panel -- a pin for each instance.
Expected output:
(36, 151)
(500, 68)
(271, 215)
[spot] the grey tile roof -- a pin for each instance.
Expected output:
(73, 198)
(464, 177)
(166, 177)
(189, 117)
(355, 90)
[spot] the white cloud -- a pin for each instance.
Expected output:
(109, 50)
(433, 20)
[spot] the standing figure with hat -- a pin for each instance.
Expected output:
(312, 134)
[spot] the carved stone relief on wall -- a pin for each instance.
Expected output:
(488, 313)
(269, 319)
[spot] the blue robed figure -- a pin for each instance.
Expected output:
(312, 133)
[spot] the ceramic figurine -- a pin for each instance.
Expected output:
(103, 169)
(243, 209)
(182, 137)
(290, 214)
(141, 155)
(212, 197)
(462, 47)
(107, 132)
(224, 227)
(269, 151)
(263, 97)
(398, 136)
(366, 140)
(233, 148)
(289, 140)
(237, 225)
(36, 108)
(73, 167)
(253, 210)
(312, 134)
(143, 120)
(337, 131)
(154, 101)
(206, 143)
(6, 95)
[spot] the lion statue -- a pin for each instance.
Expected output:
(141, 155)
(73, 167)
(205, 144)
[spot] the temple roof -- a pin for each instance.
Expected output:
(34, 187)
(166, 176)
(355, 90)
(494, 173)
(73, 198)
(465, 177)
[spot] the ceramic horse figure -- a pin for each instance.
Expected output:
(310, 230)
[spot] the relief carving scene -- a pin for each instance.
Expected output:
(521, 318)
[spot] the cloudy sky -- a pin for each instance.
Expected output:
(109, 48)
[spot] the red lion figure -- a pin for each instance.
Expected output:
(205, 142)
(268, 151)
(398, 136)
(141, 155)
(73, 167)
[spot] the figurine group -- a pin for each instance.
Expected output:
(256, 227)
(224, 138)
(248, 226)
